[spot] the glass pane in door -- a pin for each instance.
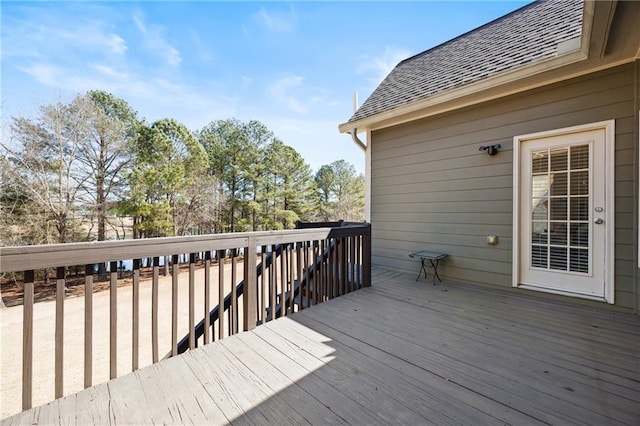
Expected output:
(560, 206)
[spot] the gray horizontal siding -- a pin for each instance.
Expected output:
(432, 189)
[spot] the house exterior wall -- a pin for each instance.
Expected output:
(431, 189)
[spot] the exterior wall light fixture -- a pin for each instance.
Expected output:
(491, 149)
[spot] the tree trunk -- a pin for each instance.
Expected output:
(101, 199)
(61, 227)
(101, 212)
(232, 221)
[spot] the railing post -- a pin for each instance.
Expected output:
(250, 285)
(341, 262)
(366, 257)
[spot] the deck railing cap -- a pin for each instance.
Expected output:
(22, 258)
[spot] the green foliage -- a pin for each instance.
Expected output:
(340, 192)
(80, 170)
(265, 183)
(289, 187)
(169, 161)
(234, 150)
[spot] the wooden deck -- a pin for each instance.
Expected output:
(399, 352)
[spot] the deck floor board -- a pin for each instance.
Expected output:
(400, 352)
(466, 355)
(515, 340)
(300, 365)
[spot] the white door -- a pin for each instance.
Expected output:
(562, 214)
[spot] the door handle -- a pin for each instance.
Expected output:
(598, 221)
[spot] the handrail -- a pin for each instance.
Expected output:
(199, 329)
(299, 265)
(21, 258)
(183, 344)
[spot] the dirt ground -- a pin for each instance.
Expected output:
(73, 360)
(45, 289)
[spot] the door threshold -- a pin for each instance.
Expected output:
(562, 292)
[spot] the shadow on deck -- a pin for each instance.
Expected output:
(400, 352)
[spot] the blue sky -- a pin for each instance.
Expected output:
(292, 65)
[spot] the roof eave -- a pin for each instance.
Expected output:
(446, 101)
(430, 105)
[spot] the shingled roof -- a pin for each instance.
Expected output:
(528, 35)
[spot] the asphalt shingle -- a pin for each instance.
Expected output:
(528, 35)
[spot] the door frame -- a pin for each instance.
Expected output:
(609, 243)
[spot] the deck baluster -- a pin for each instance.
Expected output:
(305, 267)
(154, 309)
(301, 267)
(27, 341)
(316, 271)
(192, 300)
(263, 279)
(283, 280)
(273, 287)
(207, 296)
(233, 312)
(322, 268)
(292, 277)
(221, 256)
(333, 253)
(88, 325)
(358, 261)
(113, 320)
(59, 351)
(135, 321)
(175, 270)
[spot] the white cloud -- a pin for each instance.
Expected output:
(117, 44)
(154, 40)
(294, 94)
(154, 96)
(109, 71)
(90, 36)
(281, 90)
(45, 38)
(276, 22)
(378, 66)
(202, 50)
(46, 74)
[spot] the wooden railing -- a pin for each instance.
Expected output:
(271, 274)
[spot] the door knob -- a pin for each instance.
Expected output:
(598, 221)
